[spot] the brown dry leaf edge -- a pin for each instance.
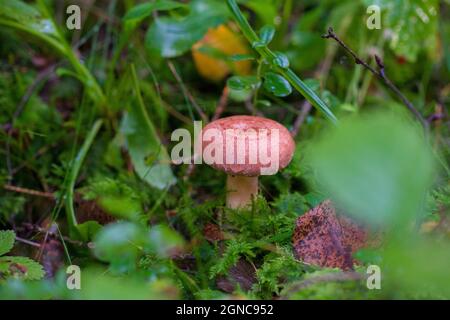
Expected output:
(325, 239)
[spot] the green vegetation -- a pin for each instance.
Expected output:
(86, 118)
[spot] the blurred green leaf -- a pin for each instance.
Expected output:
(266, 34)
(164, 241)
(277, 85)
(7, 238)
(413, 25)
(27, 15)
(418, 266)
(120, 244)
(240, 83)
(99, 286)
(150, 159)
(376, 167)
(88, 230)
(121, 207)
(172, 37)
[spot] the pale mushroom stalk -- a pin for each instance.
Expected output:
(241, 190)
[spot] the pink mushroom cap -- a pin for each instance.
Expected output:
(253, 145)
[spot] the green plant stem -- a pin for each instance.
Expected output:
(74, 171)
(269, 56)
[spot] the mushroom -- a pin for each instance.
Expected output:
(245, 147)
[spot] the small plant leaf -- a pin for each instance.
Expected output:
(21, 268)
(277, 85)
(266, 34)
(281, 60)
(7, 239)
(240, 83)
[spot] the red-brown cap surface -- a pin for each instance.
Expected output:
(251, 146)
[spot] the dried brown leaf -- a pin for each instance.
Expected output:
(324, 239)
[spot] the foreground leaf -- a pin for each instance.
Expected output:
(170, 37)
(377, 168)
(21, 267)
(276, 84)
(7, 239)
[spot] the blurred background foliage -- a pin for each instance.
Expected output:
(85, 123)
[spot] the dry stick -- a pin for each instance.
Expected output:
(186, 91)
(221, 106)
(381, 74)
(29, 191)
(32, 227)
(304, 111)
(31, 243)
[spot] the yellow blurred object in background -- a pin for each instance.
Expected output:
(225, 42)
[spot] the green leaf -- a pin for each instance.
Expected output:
(413, 25)
(7, 239)
(171, 37)
(150, 159)
(28, 16)
(241, 57)
(240, 83)
(144, 10)
(164, 240)
(21, 268)
(18, 10)
(120, 244)
(277, 85)
(121, 207)
(266, 34)
(88, 230)
(281, 60)
(378, 168)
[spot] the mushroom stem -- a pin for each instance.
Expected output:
(240, 190)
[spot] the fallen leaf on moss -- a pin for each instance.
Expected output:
(324, 239)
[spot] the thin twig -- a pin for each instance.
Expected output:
(251, 108)
(304, 111)
(29, 191)
(187, 93)
(51, 232)
(380, 73)
(31, 243)
(221, 106)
